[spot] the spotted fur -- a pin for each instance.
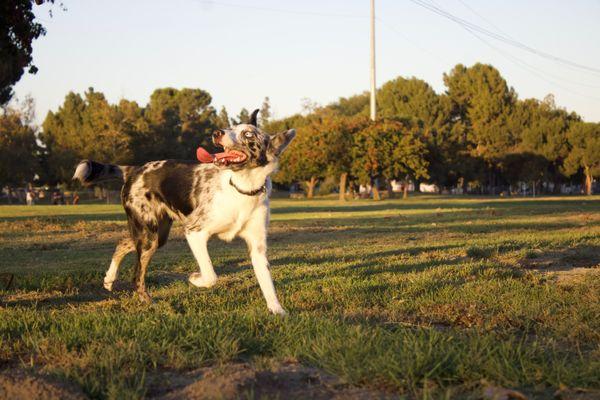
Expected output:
(207, 199)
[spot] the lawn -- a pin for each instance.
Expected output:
(430, 297)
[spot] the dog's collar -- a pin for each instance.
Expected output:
(262, 189)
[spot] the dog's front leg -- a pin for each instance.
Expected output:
(255, 235)
(198, 243)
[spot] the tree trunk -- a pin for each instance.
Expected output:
(405, 191)
(311, 187)
(465, 185)
(390, 190)
(417, 186)
(343, 180)
(588, 181)
(376, 195)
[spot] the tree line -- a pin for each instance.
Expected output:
(477, 135)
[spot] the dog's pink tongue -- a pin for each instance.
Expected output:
(204, 156)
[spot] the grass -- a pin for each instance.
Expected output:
(426, 297)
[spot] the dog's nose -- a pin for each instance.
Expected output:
(217, 135)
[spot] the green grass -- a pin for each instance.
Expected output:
(424, 297)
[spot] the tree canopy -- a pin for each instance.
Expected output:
(18, 30)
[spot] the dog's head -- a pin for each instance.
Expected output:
(247, 146)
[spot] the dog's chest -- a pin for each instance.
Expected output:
(230, 212)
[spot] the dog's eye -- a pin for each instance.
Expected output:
(248, 134)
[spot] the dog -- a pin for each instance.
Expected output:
(226, 194)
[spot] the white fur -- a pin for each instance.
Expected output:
(111, 275)
(82, 171)
(235, 214)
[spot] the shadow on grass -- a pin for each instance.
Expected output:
(69, 217)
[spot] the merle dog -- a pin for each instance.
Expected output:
(226, 194)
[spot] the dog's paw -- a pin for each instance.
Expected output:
(144, 297)
(198, 280)
(108, 285)
(277, 310)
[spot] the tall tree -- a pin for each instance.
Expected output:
(482, 104)
(543, 131)
(584, 141)
(179, 121)
(83, 127)
(18, 30)
(265, 112)
(415, 99)
(223, 118)
(242, 118)
(18, 150)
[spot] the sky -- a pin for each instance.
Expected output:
(243, 50)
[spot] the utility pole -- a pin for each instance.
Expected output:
(373, 84)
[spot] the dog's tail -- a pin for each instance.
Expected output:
(89, 172)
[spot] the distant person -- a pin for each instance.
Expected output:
(75, 199)
(29, 197)
(57, 198)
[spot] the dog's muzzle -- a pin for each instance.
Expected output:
(217, 136)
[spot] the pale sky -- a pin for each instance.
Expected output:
(244, 50)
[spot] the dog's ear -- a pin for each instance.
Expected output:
(253, 118)
(280, 141)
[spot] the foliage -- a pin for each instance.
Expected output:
(265, 112)
(477, 134)
(172, 125)
(179, 121)
(482, 102)
(18, 150)
(18, 30)
(391, 149)
(584, 140)
(322, 147)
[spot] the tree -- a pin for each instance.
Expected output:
(415, 100)
(542, 130)
(353, 105)
(389, 149)
(304, 161)
(265, 112)
(242, 118)
(223, 118)
(584, 142)
(179, 121)
(83, 127)
(18, 150)
(18, 29)
(482, 104)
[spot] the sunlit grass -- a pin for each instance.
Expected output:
(401, 295)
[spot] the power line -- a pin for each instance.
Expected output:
(532, 68)
(528, 67)
(483, 18)
(520, 63)
(502, 38)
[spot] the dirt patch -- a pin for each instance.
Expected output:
(21, 385)
(567, 266)
(577, 394)
(288, 380)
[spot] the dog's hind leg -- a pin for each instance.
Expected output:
(146, 246)
(255, 235)
(124, 247)
(198, 243)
